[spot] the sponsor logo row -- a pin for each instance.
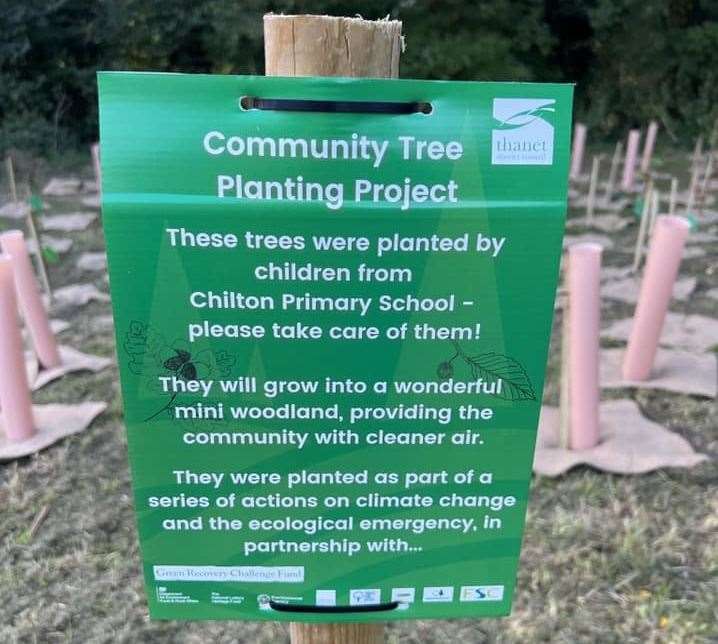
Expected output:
(406, 596)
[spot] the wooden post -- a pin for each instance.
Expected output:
(349, 633)
(10, 170)
(615, 161)
(643, 227)
(329, 46)
(655, 207)
(697, 152)
(96, 167)
(704, 186)
(579, 145)
(673, 197)
(690, 199)
(39, 258)
(714, 136)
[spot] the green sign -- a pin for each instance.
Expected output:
(332, 328)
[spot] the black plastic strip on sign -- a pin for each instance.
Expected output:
(344, 107)
(309, 608)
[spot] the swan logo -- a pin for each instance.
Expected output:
(523, 131)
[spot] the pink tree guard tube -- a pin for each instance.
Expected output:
(629, 163)
(33, 310)
(664, 259)
(584, 310)
(648, 146)
(579, 143)
(15, 400)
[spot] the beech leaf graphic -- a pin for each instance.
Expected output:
(492, 366)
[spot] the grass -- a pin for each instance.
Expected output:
(605, 559)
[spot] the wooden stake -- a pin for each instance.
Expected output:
(643, 227)
(615, 161)
(704, 185)
(655, 207)
(10, 170)
(39, 259)
(648, 146)
(330, 46)
(37, 521)
(95, 154)
(697, 152)
(591, 200)
(714, 136)
(673, 197)
(690, 199)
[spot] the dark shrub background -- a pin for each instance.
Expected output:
(632, 60)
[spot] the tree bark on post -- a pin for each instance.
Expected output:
(306, 45)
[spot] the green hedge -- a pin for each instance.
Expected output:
(633, 60)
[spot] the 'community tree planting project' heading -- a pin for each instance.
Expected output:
(333, 194)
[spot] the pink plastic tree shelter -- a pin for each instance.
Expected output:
(664, 259)
(629, 163)
(33, 310)
(648, 146)
(584, 307)
(15, 401)
(579, 144)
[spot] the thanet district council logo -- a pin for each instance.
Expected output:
(523, 131)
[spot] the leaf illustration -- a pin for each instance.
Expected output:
(492, 366)
(176, 362)
(135, 346)
(225, 362)
(142, 345)
(152, 357)
(188, 372)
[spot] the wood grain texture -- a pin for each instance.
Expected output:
(336, 633)
(330, 46)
